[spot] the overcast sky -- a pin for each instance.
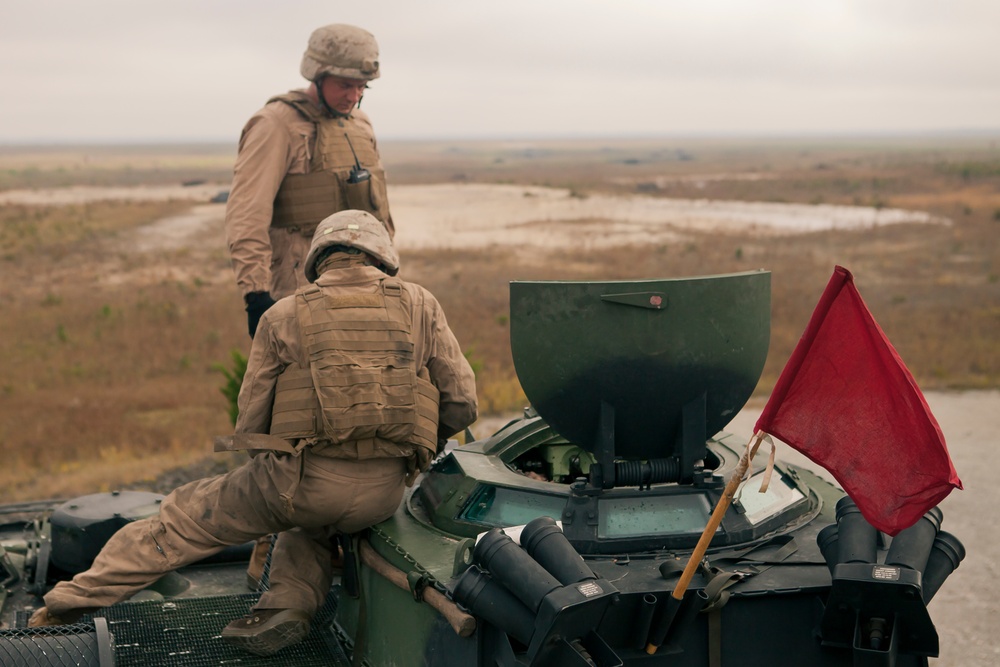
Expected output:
(176, 70)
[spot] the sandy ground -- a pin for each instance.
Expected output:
(478, 215)
(966, 610)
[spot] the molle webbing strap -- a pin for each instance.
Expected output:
(355, 405)
(293, 414)
(304, 200)
(334, 153)
(351, 300)
(392, 387)
(425, 431)
(340, 343)
(362, 386)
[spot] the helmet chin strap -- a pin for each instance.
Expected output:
(330, 111)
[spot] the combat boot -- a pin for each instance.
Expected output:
(267, 631)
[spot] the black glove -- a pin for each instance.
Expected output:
(257, 303)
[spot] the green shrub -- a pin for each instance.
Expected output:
(234, 380)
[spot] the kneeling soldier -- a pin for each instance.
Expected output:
(356, 378)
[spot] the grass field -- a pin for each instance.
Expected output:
(106, 384)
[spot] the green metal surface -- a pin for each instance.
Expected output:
(647, 348)
(389, 608)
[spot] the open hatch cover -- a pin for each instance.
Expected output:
(645, 348)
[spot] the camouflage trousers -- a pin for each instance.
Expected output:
(306, 498)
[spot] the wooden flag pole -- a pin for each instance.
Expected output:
(706, 537)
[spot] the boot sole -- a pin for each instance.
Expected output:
(270, 639)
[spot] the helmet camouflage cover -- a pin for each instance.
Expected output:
(354, 229)
(341, 50)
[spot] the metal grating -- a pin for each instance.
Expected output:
(184, 632)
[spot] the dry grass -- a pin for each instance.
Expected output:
(105, 386)
(59, 166)
(55, 232)
(111, 384)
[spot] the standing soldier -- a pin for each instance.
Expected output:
(306, 155)
(356, 378)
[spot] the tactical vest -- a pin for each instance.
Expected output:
(361, 384)
(304, 200)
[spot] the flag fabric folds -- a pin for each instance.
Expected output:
(846, 400)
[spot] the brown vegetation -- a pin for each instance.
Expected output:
(106, 384)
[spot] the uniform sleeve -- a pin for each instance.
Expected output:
(450, 372)
(264, 157)
(269, 356)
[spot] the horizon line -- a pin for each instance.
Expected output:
(676, 136)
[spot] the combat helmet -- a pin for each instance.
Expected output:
(354, 229)
(341, 50)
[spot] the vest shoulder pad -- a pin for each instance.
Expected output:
(299, 101)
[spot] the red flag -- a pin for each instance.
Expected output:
(846, 401)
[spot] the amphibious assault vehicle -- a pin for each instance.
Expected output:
(559, 539)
